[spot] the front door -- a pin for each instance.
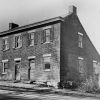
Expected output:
(31, 69)
(17, 70)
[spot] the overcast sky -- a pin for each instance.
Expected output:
(25, 12)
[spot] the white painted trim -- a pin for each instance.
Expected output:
(17, 59)
(19, 34)
(46, 55)
(80, 58)
(32, 31)
(94, 61)
(47, 27)
(47, 70)
(31, 57)
(80, 33)
(6, 60)
(5, 37)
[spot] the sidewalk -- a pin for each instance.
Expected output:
(35, 88)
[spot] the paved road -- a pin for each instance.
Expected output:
(15, 95)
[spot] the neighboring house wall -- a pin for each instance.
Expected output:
(70, 51)
(37, 52)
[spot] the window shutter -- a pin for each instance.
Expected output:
(20, 44)
(1, 44)
(44, 36)
(35, 38)
(28, 39)
(52, 34)
(13, 42)
(8, 43)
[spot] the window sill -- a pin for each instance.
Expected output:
(17, 48)
(47, 70)
(46, 42)
(5, 49)
(31, 45)
(81, 47)
(4, 73)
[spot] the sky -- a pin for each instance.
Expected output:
(25, 12)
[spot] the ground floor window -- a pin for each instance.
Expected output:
(81, 65)
(47, 66)
(47, 62)
(5, 66)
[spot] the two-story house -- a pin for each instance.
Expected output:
(53, 50)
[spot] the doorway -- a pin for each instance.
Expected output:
(31, 69)
(17, 70)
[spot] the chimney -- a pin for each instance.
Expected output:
(13, 25)
(72, 10)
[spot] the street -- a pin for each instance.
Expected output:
(16, 95)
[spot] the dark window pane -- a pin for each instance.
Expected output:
(47, 66)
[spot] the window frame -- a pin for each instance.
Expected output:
(18, 41)
(81, 68)
(80, 40)
(31, 40)
(45, 36)
(47, 62)
(31, 32)
(5, 45)
(95, 68)
(3, 63)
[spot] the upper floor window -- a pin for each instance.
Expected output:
(31, 37)
(80, 40)
(5, 66)
(47, 35)
(17, 41)
(5, 43)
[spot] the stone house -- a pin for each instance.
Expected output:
(52, 50)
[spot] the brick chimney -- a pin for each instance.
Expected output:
(72, 9)
(12, 25)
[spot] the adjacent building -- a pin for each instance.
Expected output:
(53, 50)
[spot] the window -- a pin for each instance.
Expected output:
(31, 38)
(5, 66)
(47, 66)
(81, 65)
(18, 41)
(47, 59)
(80, 40)
(47, 35)
(96, 67)
(5, 43)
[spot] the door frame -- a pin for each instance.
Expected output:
(16, 60)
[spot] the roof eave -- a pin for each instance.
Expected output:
(32, 25)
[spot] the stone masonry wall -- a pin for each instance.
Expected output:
(38, 50)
